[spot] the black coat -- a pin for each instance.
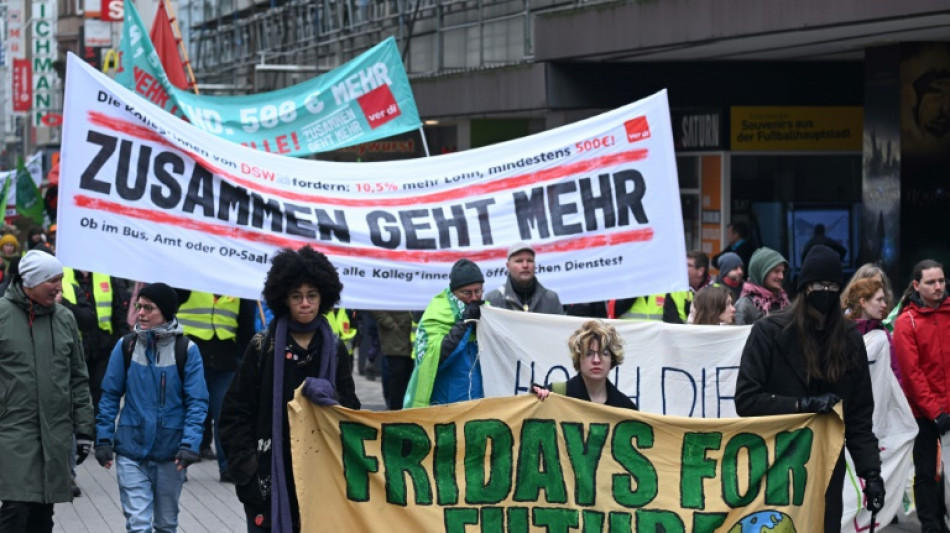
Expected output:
(772, 378)
(615, 398)
(247, 413)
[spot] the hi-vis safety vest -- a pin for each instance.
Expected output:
(340, 324)
(203, 317)
(101, 293)
(651, 307)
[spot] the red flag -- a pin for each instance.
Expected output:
(167, 47)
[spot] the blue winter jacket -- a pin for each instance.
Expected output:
(459, 378)
(159, 415)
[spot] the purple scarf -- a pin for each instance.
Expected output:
(281, 520)
(763, 298)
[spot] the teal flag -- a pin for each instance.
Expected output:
(5, 193)
(29, 203)
(365, 99)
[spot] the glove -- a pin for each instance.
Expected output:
(943, 423)
(104, 454)
(186, 457)
(823, 403)
(874, 491)
(473, 311)
(83, 447)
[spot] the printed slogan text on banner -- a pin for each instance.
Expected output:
(144, 195)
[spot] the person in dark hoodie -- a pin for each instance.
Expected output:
(805, 360)
(922, 343)
(522, 291)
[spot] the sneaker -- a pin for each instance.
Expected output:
(226, 478)
(77, 492)
(208, 453)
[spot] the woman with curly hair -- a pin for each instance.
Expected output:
(298, 344)
(596, 348)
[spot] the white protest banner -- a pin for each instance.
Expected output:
(895, 428)
(144, 195)
(688, 371)
(668, 369)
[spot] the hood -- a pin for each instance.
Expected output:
(16, 295)
(159, 332)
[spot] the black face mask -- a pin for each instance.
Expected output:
(823, 301)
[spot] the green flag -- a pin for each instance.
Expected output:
(29, 203)
(5, 194)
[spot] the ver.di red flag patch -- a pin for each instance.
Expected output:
(379, 106)
(638, 129)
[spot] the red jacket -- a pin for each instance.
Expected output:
(922, 341)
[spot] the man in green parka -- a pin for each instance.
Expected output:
(46, 399)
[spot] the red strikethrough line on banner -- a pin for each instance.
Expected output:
(514, 182)
(411, 256)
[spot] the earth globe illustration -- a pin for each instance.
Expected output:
(764, 522)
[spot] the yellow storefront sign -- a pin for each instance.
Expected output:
(796, 128)
(520, 465)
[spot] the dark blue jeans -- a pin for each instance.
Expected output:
(218, 382)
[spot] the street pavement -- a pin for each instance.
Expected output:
(207, 505)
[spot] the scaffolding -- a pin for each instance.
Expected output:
(247, 46)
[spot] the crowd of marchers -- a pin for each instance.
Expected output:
(151, 379)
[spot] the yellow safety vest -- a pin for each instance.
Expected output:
(101, 293)
(203, 317)
(651, 307)
(340, 324)
(680, 298)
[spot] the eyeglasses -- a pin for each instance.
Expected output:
(298, 298)
(824, 286)
(477, 293)
(604, 354)
(145, 307)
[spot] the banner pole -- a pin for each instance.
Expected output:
(176, 29)
(425, 145)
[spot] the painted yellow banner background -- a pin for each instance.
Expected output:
(518, 465)
(796, 128)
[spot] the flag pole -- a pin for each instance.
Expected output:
(173, 19)
(425, 145)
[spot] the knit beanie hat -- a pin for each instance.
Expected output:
(164, 297)
(821, 264)
(728, 262)
(9, 239)
(464, 272)
(762, 262)
(37, 267)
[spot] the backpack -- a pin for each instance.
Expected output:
(181, 353)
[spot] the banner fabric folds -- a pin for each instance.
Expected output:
(522, 465)
(365, 99)
(147, 196)
(689, 371)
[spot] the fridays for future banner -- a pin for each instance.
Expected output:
(689, 371)
(365, 99)
(144, 195)
(520, 465)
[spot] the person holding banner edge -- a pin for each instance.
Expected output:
(300, 288)
(596, 348)
(447, 367)
(805, 360)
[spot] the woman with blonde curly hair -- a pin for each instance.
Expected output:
(595, 348)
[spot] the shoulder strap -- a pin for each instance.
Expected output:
(128, 346)
(559, 387)
(181, 353)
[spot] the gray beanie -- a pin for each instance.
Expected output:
(37, 267)
(728, 262)
(464, 272)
